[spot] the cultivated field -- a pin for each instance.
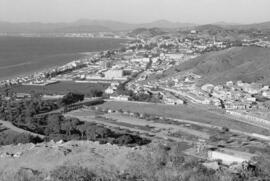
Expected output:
(184, 112)
(59, 88)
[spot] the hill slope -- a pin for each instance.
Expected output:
(259, 26)
(249, 64)
(147, 32)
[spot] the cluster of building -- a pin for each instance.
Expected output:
(256, 42)
(238, 95)
(45, 77)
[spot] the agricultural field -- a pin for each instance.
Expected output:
(60, 88)
(184, 112)
(157, 128)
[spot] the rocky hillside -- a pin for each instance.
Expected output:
(145, 32)
(249, 64)
(48, 156)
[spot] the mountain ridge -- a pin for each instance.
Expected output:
(93, 25)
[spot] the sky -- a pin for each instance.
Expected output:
(136, 11)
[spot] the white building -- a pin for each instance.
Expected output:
(109, 90)
(120, 98)
(144, 60)
(208, 87)
(266, 94)
(114, 74)
(229, 157)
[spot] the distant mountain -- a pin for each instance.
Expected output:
(87, 25)
(82, 29)
(259, 26)
(113, 25)
(118, 26)
(221, 32)
(209, 28)
(35, 27)
(223, 23)
(249, 64)
(84, 25)
(165, 24)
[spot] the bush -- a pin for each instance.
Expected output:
(9, 138)
(23, 174)
(72, 173)
(71, 98)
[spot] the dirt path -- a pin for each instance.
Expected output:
(86, 116)
(19, 130)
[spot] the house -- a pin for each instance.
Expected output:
(266, 94)
(207, 87)
(114, 74)
(109, 90)
(52, 97)
(168, 100)
(229, 83)
(228, 156)
(193, 32)
(252, 88)
(120, 98)
(22, 95)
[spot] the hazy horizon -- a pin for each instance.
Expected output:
(136, 11)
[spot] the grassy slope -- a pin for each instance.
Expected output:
(250, 64)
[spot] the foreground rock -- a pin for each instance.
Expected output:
(47, 156)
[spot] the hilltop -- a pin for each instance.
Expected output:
(259, 26)
(144, 32)
(249, 64)
(222, 32)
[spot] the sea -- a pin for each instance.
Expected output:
(25, 55)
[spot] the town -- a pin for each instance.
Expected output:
(145, 92)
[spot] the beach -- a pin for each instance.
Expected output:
(20, 56)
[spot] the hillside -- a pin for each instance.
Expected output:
(250, 64)
(48, 156)
(221, 32)
(259, 26)
(144, 32)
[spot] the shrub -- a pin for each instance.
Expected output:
(72, 173)
(9, 138)
(71, 98)
(23, 174)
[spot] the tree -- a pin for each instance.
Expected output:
(53, 124)
(71, 98)
(82, 128)
(124, 140)
(70, 125)
(96, 93)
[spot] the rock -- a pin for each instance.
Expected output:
(212, 165)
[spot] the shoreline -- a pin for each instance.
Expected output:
(20, 73)
(85, 55)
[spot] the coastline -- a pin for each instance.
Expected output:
(31, 67)
(84, 55)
